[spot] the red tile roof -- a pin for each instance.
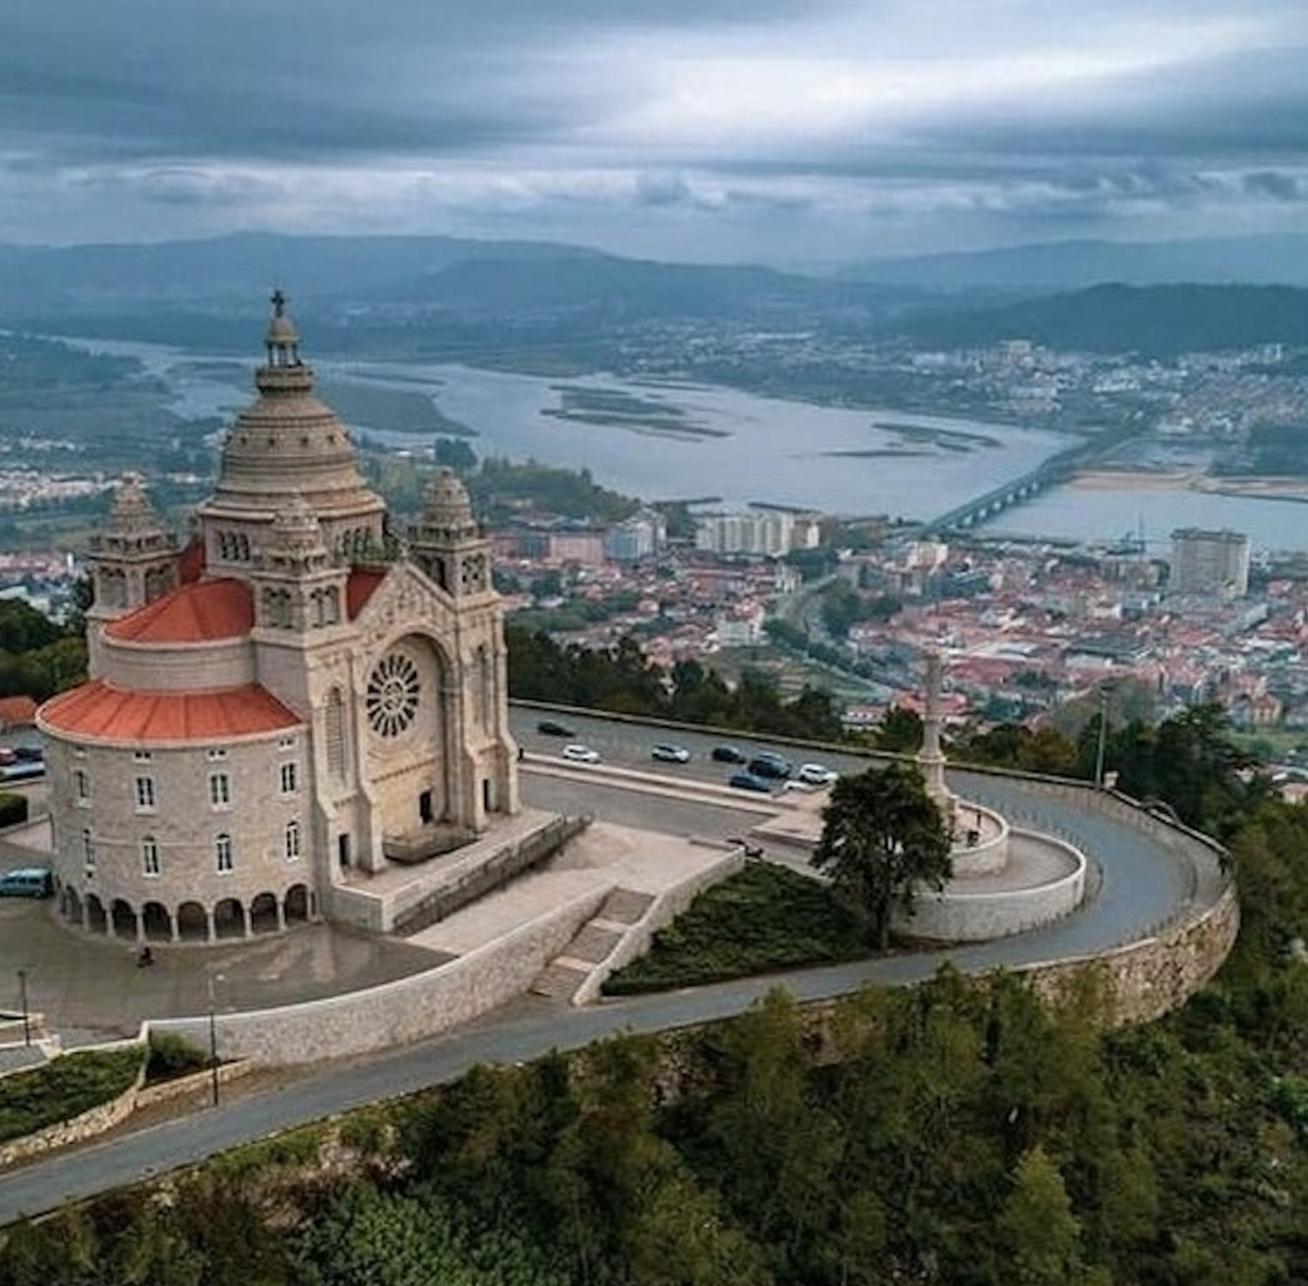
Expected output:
(191, 563)
(102, 713)
(205, 611)
(360, 587)
(17, 712)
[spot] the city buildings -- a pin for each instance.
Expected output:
(1210, 563)
(771, 533)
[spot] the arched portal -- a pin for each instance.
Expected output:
(72, 905)
(297, 904)
(263, 914)
(156, 922)
(229, 919)
(415, 740)
(96, 920)
(192, 922)
(123, 919)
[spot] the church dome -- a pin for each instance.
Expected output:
(289, 441)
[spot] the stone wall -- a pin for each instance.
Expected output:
(396, 1013)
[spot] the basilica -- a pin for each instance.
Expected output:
(293, 698)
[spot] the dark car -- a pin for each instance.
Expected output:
(729, 755)
(29, 754)
(747, 781)
(771, 766)
(552, 729)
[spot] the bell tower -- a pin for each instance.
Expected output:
(448, 544)
(297, 585)
(133, 560)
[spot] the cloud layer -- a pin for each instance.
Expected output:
(723, 129)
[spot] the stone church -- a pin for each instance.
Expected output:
(293, 698)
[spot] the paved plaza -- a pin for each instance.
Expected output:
(92, 988)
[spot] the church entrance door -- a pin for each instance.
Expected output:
(425, 813)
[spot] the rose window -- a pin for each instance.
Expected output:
(393, 692)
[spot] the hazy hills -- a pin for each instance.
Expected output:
(1065, 265)
(1153, 320)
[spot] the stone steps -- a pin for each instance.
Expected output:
(591, 944)
(625, 906)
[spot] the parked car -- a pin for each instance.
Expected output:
(747, 781)
(580, 754)
(771, 766)
(29, 754)
(27, 882)
(21, 770)
(729, 755)
(816, 775)
(552, 729)
(670, 754)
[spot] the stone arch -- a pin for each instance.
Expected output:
(263, 914)
(192, 922)
(297, 904)
(156, 923)
(96, 919)
(229, 919)
(122, 916)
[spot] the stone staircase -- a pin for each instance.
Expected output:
(591, 944)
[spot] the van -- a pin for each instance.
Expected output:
(27, 882)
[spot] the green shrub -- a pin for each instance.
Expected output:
(761, 919)
(64, 1088)
(13, 808)
(171, 1056)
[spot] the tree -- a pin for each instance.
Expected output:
(900, 731)
(1040, 1232)
(882, 838)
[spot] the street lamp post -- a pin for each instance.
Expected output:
(22, 995)
(213, 1037)
(1105, 692)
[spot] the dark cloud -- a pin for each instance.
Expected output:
(700, 122)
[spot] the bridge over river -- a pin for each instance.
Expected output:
(1059, 468)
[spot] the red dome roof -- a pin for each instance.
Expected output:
(99, 712)
(204, 612)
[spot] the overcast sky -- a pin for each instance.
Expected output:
(690, 129)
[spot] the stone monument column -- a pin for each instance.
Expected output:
(931, 759)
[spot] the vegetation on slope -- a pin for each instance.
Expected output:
(761, 919)
(64, 1088)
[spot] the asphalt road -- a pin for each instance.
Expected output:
(1142, 883)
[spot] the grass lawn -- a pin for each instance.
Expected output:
(64, 1088)
(762, 919)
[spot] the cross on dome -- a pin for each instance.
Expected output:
(282, 340)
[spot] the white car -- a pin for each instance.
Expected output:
(580, 754)
(816, 775)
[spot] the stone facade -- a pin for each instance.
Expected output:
(349, 691)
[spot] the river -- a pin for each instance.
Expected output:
(771, 449)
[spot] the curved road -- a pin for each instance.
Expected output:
(1143, 883)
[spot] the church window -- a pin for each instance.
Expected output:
(290, 777)
(150, 855)
(141, 756)
(334, 730)
(82, 786)
(293, 840)
(216, 753)
(220, 789)
(88, 850)
(145, 794)
(286, 743)
(394, 689)
(222, 852)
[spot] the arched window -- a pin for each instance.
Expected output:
(150, 855)
(88, 850)
(334, 729)
(292, 845)
(222, 852)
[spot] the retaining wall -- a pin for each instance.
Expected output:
(395, 1013)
